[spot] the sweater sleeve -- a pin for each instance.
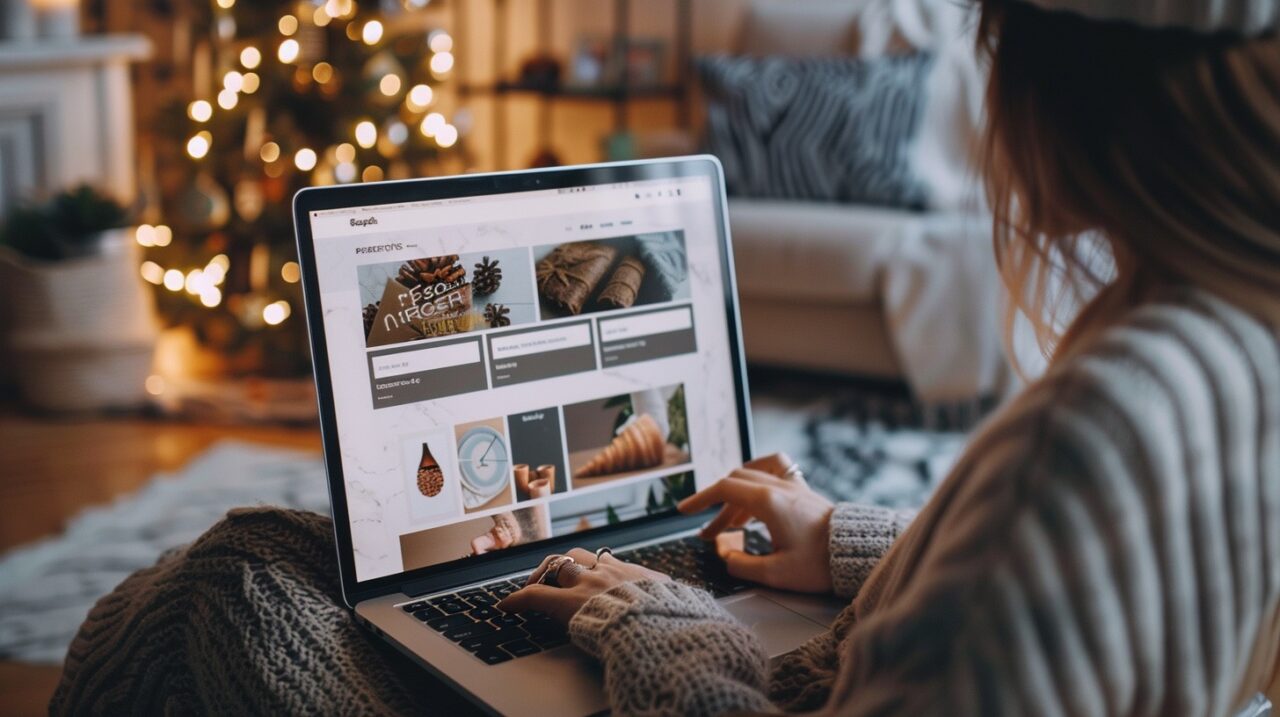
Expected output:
(860, 536)
(668, 648)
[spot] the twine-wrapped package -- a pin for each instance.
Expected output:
(569, 275)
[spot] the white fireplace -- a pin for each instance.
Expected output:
(66, 116)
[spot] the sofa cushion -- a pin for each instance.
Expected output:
(811, 251)
(830, 129)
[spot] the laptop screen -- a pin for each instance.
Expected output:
(510, 368)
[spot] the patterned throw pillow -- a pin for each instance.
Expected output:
(825, 129)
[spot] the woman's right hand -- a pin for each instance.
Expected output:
(798, 520)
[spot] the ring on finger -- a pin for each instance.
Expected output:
(554, 566)
(600, 553)
(793, 472)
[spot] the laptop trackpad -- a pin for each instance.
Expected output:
(779, 629)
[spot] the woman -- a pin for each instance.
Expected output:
(1110, 543)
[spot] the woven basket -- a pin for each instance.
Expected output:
(78, 334)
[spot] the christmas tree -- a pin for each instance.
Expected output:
(284, 95)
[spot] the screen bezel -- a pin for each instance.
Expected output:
(421, 580)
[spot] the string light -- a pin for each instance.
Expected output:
(194, 281)
(288, 51)
(215, 273)
(320, 18)
(269, 152)
(288, 25)
(372, 173)
(250, 57)
(145, 235)
(441, 62)
(419, 98)
(211, 296)
(389, 85)
(226, 4)
(345, 152)
(397, 132)
(322, 72)
(305, 159)
(163, 235)
(431, 124)
(276, 312)
(251, 82)
(291, 272)
(173, 280)
(228, 99)
(372, 32)
(197, 147)
(233, 81)
(200, 110)
(222, 261)
(152, 273)
(154, 384)
(439, 41)
(367, 134)
(344, 172)
(447, 136)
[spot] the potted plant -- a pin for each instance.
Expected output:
(77, 324)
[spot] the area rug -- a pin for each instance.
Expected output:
(855, 444)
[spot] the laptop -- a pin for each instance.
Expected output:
(511, 365)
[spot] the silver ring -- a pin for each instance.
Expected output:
(793, 472)
(554, 567)
(600, 553)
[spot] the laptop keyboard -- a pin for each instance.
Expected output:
(468, 617)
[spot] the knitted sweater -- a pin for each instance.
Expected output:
(1108, 545)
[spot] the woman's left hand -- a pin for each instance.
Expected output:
(575, 584)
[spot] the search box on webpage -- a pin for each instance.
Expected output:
(428, 359)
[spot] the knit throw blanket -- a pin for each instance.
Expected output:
(248, 619)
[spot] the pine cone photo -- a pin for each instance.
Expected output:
(496, 315)
(432, 271)
(487, 277)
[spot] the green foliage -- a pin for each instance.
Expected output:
(66, 226)
(675, 488)
(625, 412)
(678, 419)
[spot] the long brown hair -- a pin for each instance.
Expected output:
(1123, 161)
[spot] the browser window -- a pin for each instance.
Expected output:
(515, 367)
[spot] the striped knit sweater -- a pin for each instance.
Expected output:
(1109, 545)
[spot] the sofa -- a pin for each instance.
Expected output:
(869, 291)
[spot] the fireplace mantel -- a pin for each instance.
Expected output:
(66, 115)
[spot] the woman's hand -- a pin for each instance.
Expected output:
(798, 520)
(575, 584)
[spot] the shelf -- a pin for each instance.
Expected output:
(611, 94)
(27, 55)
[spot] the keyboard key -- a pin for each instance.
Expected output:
(506, 620)
(428, 613)
(466, 632)
(548, 641)
(485, 613)
(449, 622)
(493, 656)
(451, 607)
(521, 648)
(468, 594)
(502, 591)
(414, 606)
(481, 599)
(442, 598)
(492, 639)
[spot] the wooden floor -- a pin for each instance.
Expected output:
(50, 469)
